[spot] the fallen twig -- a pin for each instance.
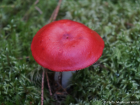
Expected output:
(25, 17)
(38, 9)
(55, 12)
(42, 88)
(48, 83)
(36, 2)
(53, 17)
(62, 88)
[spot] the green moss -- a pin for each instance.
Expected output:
(115, 77)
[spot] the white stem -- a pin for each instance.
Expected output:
(66, 76)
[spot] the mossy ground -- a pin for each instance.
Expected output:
(114, 78)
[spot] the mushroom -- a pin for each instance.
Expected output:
(66, 46)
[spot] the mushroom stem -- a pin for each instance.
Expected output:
(66, 76)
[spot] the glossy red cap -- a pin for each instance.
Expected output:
(66, 45)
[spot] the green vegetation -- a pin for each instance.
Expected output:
(115, 77)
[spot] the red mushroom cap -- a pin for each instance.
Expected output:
(66, 45)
